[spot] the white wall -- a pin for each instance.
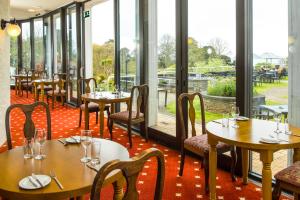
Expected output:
(4, 68)
(294, 62)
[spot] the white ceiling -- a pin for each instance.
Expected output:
(21, 9)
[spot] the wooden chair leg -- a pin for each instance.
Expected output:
(53, 99)
(62, 98)
(80, 118)
(129, 134)
(206, 171)
(182, 158)
(110, 127)
(276, 191)
(233, 162)
(97, 115)
(27, 92)
(108, 115)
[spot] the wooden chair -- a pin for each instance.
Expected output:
(130, 170)
(29, 128)
(58, 90)
(131, 117)
(198, 144)
(93, 107)
(288, 179)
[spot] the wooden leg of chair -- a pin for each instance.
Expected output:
(108, 115)
(97, 116)
(129, 134)
(233, 162)
(53, 99)
(276, 191)
(80, 118)
(146, 130)
(110, 127)
(62, 100)
(206, 172)
(182, 158)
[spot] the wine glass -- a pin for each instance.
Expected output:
(40, 138)
(86, 140)
(277, 118)
(235, 112)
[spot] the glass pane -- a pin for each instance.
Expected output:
(211, 55)
(162, 72)
(38, 44)
(57, 44)
(72, 53)
(270, 68)
(26, 47)
(48, 49)
(13, 57)
(129, 75)
(103, 44)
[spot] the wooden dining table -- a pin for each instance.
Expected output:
(247, 136)
(76, 177)
(42, 83)
(103, 98)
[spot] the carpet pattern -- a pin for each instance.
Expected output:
(189, 186)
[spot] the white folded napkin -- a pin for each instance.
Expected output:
(269, 140)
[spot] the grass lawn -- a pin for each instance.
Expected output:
(209, 116)
(267, 86)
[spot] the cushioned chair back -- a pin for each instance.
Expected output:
(141, 100)
(84, 85)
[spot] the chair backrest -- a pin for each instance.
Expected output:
(191, 112)
(141, 100)
(29, 128)
(85, 82)
(130, 170)
(58, 82)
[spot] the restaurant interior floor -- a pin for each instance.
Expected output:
(189, 186)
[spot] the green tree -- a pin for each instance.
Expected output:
(166, 52)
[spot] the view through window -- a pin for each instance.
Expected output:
(26, 47)
(38, 44)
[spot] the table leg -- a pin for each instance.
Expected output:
(101, 109)
(86, 115)
(266, 157)
(296, 156)
(245, 165)
(16, 86)
(35, 92)
(42, 92)
(212, 168)
(118, 189)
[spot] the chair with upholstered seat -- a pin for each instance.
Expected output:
(130, 170)
(92, 107)
(58, 90)
(131, 117)
(29, 127)
(198, 144)
(288, 179)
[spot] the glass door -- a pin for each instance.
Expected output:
(26, 46)
(38, 44)
(57, 44)
(47, 45)
(72, 54)
(270, 70)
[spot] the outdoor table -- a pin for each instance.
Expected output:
(278, 109)
(247, 136)
(103, 98)
(76, 177)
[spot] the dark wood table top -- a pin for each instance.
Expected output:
(75, 176)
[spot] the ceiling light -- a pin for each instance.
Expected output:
(31, 10)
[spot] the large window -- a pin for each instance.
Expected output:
(57, 43)
(129, 63)
(211, 54)
(26, 46)
(13, 57)
(270, 69)
(162, 71)
(103, 44)
(48, 49)
(38, 44)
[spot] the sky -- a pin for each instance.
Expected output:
(208, 19)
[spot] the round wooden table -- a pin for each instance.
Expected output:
(42, 83)
(248, 136)
(76, 177)
(103, 98)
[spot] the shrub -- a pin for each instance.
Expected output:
(222, 87)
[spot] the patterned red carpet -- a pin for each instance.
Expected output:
(188, 187)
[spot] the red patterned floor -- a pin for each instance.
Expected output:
(188, 187)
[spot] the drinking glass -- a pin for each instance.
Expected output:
(40, 138)
(28, 148)
(225, 120)
(95, 152)
(235, 112)
(287, 127)
(277, 118)
(86, 140)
